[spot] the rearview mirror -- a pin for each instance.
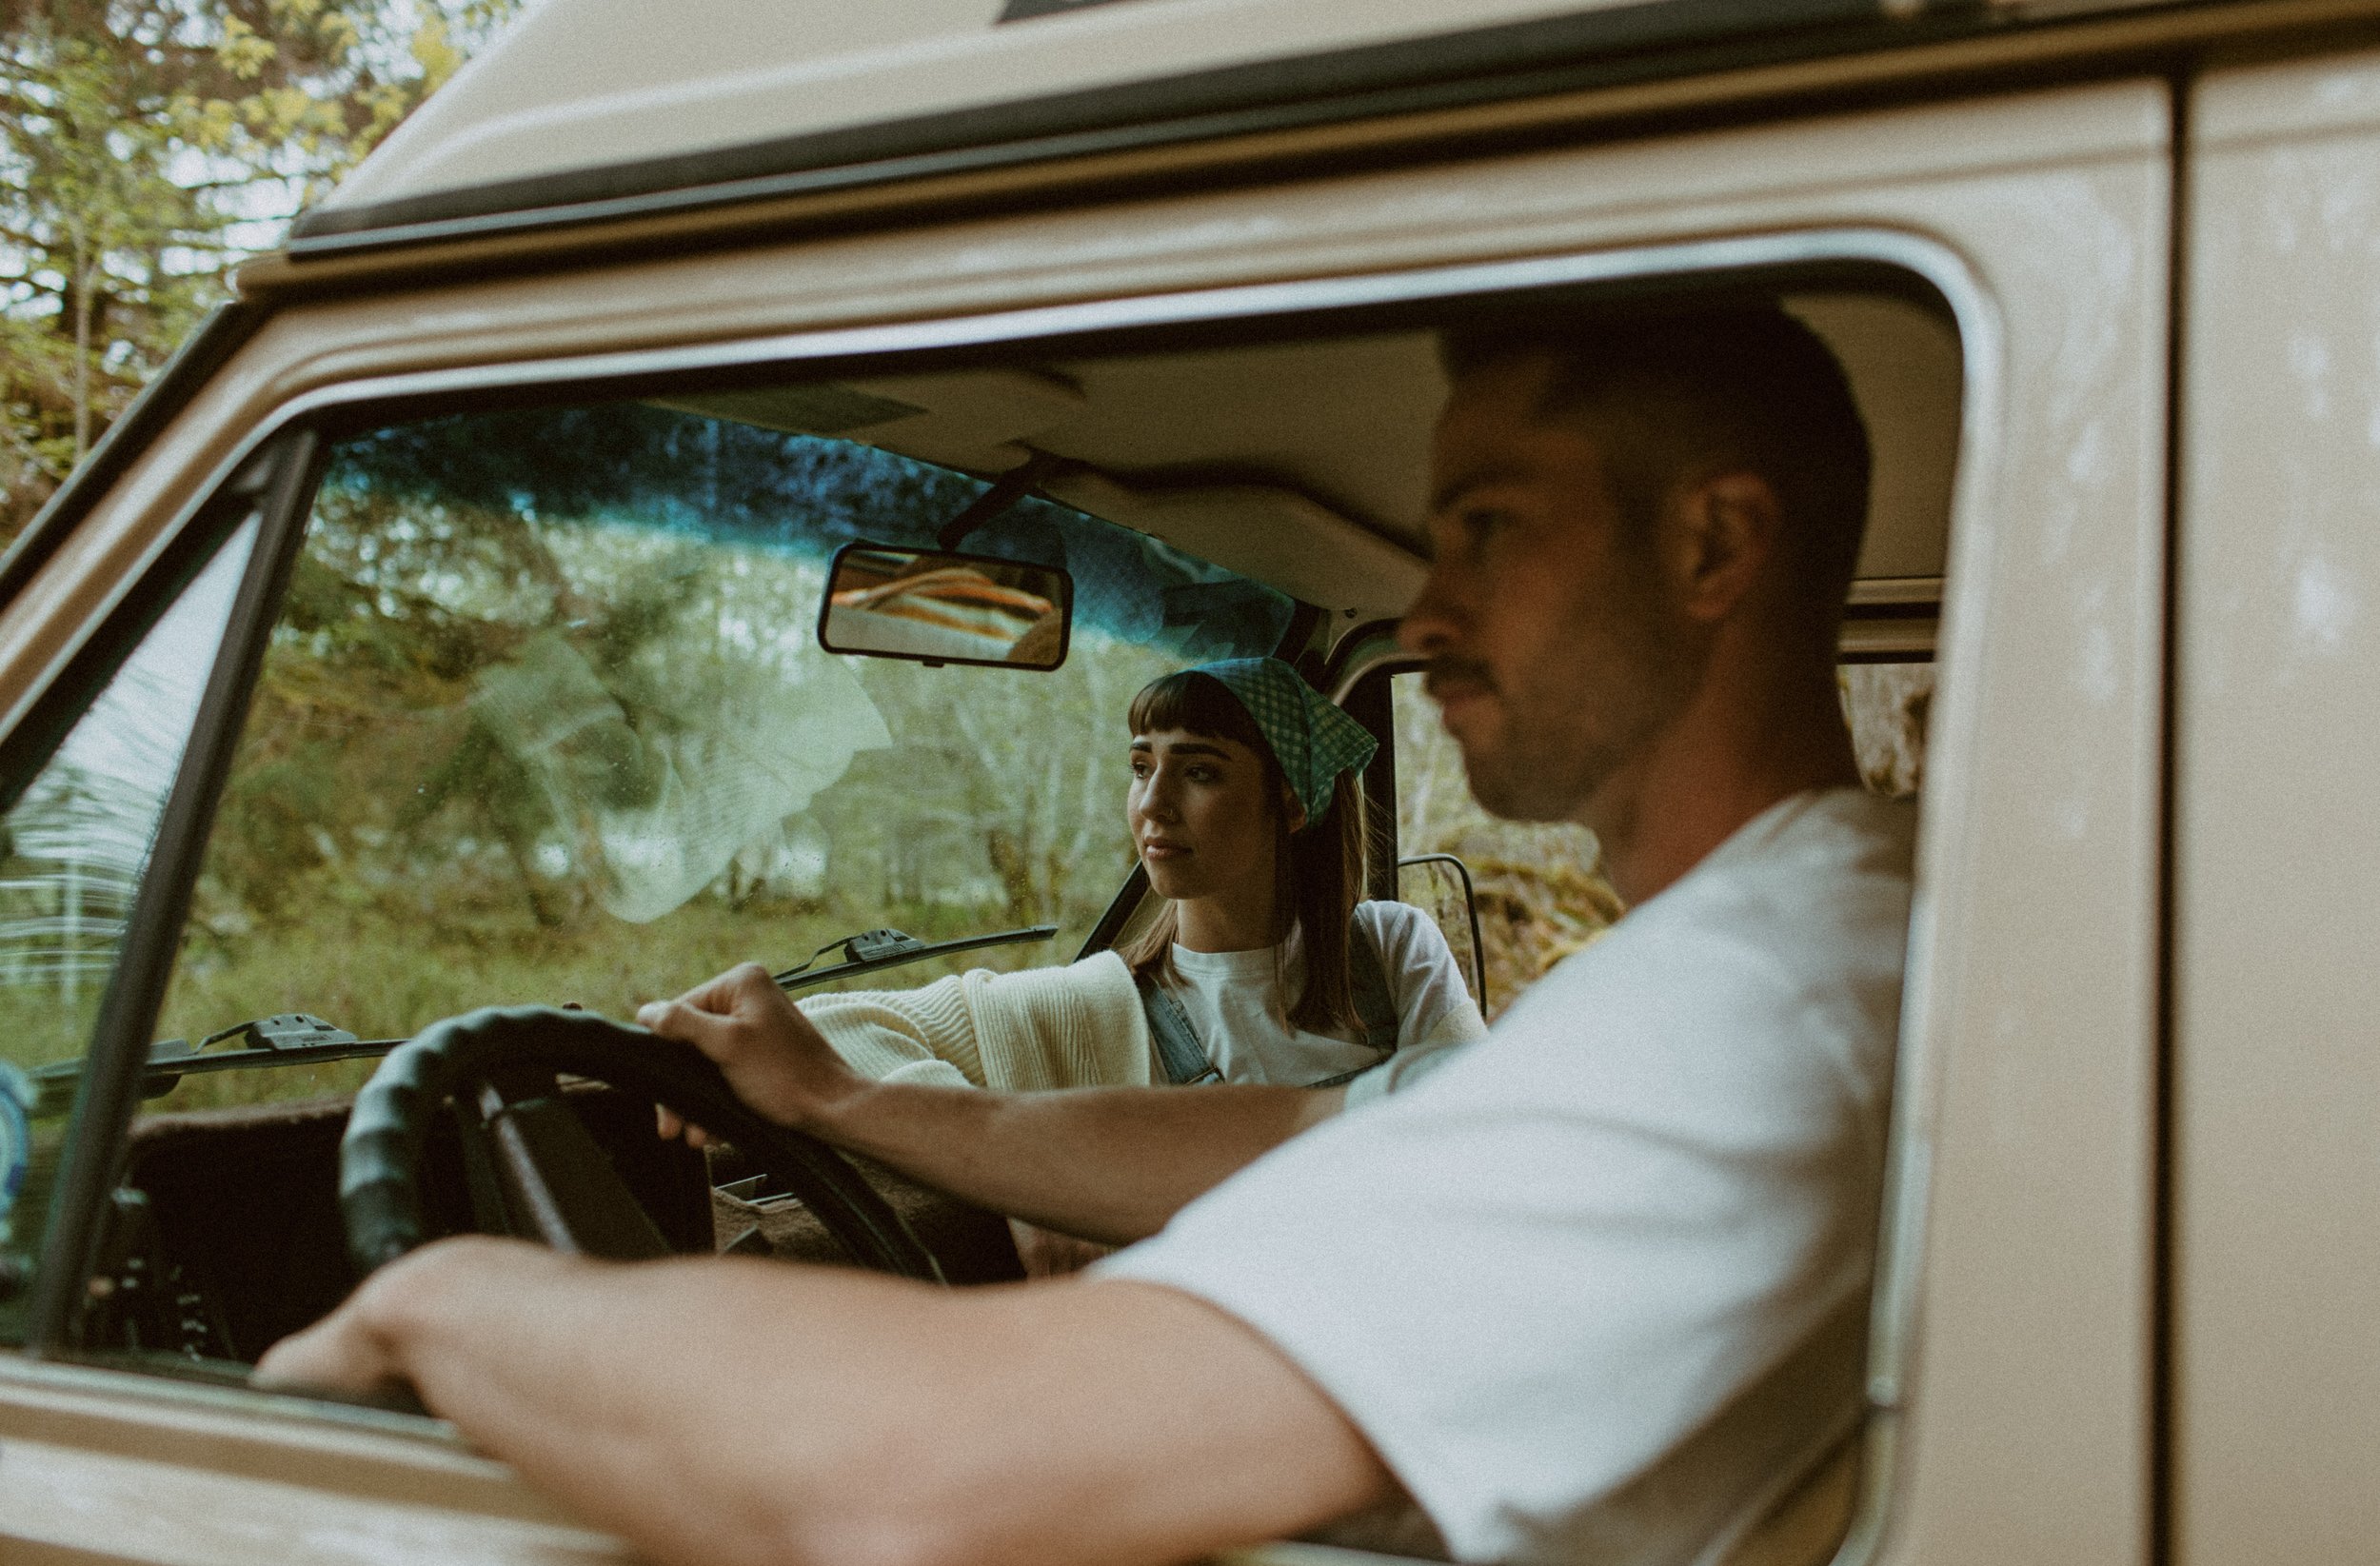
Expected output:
(945, 608)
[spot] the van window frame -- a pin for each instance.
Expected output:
(274, 488)
(1838, 258)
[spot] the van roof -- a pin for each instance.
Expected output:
(589, 110)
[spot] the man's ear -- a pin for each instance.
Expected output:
(1725, 531)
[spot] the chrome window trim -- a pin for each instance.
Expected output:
(1908, 1153)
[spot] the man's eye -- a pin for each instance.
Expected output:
(1483, 522)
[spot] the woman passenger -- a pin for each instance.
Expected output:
(1261, 966)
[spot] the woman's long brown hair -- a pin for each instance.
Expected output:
(1317, 870)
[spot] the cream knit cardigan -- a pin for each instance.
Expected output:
(1075, 1026)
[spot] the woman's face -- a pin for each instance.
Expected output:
(1199, 816)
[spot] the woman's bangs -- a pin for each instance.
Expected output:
(1195, 704)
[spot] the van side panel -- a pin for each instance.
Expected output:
(2021, 1401)
(2277, 939)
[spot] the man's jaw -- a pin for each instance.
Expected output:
(1508, 777)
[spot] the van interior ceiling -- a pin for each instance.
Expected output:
(1304, 463)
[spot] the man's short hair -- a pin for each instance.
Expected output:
(1675, 395)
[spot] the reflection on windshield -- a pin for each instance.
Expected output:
(73, 849)
(545, 720)
(656, 800)
(76, 841)
(671, 472)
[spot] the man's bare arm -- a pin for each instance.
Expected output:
(1106, 1164)
(1110, 1163)
(836, 1418)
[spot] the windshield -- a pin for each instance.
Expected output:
(545, 720)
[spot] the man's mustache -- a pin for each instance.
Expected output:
(1449, 673)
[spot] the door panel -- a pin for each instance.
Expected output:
(2277, 1099)
(2028, 1051)
(97, 1466)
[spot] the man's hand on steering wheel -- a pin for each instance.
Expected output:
(773, 1056)
(357, 1349)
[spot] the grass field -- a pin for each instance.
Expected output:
(381, 976)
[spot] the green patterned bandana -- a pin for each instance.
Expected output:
(1313, 740)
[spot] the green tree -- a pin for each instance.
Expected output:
(147, 146)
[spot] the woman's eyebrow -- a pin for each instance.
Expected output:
(1186, 747)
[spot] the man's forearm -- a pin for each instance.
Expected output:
(1106, 1164)
(830, 1416)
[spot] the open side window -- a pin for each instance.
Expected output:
(542, 715)
(107, 769)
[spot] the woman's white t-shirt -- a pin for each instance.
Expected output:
(1239, 1010)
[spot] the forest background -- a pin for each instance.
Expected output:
(147, 148)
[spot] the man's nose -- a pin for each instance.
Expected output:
(1428, 625)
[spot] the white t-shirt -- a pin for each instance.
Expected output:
(1531, 1276)
(1237, 1008)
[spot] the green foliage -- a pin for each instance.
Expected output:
(148, 146)
(387, 975)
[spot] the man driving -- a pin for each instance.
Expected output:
(1589, 1288)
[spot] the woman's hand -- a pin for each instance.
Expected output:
(773, 1056)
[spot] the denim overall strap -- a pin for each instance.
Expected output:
(1178, 1048)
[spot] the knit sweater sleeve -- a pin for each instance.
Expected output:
(1075, 1026)
(925, 1035)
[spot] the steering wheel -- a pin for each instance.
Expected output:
(380, 1158)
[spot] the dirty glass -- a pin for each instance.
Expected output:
(72, 850)
(545, 720)
(1888, 705)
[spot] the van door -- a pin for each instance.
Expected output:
(2276, 1252)
(2012, 1362)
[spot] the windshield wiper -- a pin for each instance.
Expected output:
(293, 1037)
(872, 949)
(300, 1038)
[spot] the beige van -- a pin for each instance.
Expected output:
(455, 620)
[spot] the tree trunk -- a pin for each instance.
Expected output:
(82, 269)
